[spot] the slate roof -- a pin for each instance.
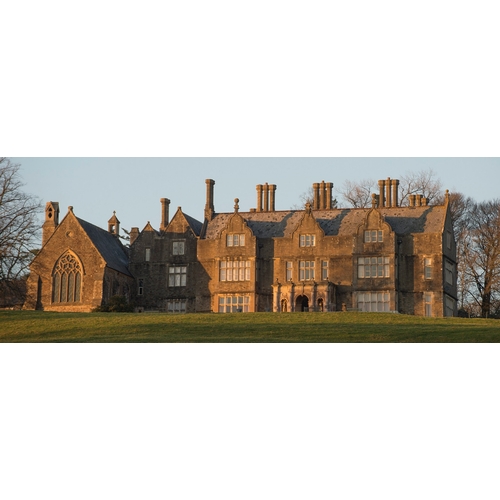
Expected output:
(110, 247)
(338, 222)
(196, 225)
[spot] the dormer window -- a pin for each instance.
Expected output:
(235, 240)
(374, 236)
(307, 240)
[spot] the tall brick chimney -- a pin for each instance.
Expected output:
(381, 198)
(209, 207)
(272, 194)
(165, 206)
(395, 193)
(322, 196)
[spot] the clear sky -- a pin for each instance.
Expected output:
(133, 186)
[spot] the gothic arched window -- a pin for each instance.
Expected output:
(67, 280)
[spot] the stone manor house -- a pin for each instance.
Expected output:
(387, 258)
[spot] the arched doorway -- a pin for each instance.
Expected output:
(302, 304)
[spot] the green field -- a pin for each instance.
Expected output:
(340, 327)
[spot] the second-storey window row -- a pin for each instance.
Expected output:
(306, 270)
(238, 270)
(374, 267)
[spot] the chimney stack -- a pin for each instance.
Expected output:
(316, 196)
(381, 199)
(329, 195)
(134, 234)
(389, 193)
(266, 197)
(395, 193)
(272, 192)
(209, 207)
(322, 196)
(165, 205)
(388, 196)
(259, 197)
(413, 200)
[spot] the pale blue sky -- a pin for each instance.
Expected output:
(133, 186)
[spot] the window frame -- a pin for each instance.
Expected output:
(383, 305)
(235, 240)
(369, 236)
(176, 306)
(307, 270)
(230, 303)
(307, 240)
(428, 268)
(228, 271)
(381, 266)
(179, 247)
(325, 270)
(177, 276)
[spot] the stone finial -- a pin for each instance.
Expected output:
(374, 200)
(236, 205)
(308, 208)
(70, 209)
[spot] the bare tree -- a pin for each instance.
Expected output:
(19, 229)
(423, 182)
(308, 197)
(358, 194)
(480, 256)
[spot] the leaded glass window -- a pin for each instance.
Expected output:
(67, 280)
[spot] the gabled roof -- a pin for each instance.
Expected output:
(194, 224)
(109, 246)
(338, 222)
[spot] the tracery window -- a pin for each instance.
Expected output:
(67, 280)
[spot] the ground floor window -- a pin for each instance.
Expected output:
(374, 301)
(234, 303)
(176, 306)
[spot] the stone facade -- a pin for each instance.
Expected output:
(80, 266)
(324, 259)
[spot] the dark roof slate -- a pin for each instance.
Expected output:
(195, 225)
(338, 222)
(110, 247)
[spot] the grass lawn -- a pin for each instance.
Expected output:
(28, 326)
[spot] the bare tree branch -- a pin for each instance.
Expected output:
(19, 229)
